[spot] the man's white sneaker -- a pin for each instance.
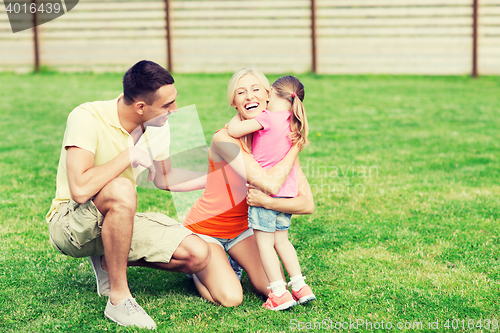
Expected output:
(101, 276)
(129, 313)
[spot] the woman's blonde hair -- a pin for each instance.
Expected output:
(231, 89)
(290, 88)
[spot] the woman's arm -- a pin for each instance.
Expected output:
(270, 180)
(177, 180)
(238, 128)
(303, 203)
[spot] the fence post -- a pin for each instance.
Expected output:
(169, 36)
(35, 41)
(474, 38)
(314, 68)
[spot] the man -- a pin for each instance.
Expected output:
(93, 213)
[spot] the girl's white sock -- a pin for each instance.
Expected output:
(278, 287)
(297, 282)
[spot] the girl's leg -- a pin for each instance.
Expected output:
(246, 254)
(287, 252)
(279, 298)
(270, 261)
(217, 283)
(302, 293)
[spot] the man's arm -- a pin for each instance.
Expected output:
(86, 180)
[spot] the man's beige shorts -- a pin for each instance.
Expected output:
(75, 230)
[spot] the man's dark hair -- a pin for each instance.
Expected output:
(142, 81)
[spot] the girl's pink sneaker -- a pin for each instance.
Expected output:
(283, 302)
(304, 295)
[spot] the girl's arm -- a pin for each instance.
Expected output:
(303, 203)
(238, 128)
(270, 180)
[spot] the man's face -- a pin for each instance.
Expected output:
(157, 113)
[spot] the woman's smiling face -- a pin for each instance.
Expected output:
(250, 96)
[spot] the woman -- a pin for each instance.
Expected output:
(220, 216)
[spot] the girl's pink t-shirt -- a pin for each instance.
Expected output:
(270, 145)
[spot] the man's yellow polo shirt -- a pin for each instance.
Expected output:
(95, 127)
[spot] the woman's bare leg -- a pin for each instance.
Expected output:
(246, 254)
(217, 282)
(202, 289)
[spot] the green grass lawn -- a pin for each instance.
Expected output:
(405, 172)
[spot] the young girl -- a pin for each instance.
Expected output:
(275, 130)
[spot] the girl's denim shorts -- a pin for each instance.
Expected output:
(268, 220)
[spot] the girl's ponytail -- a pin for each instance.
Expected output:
(291, 89)
(298, 124)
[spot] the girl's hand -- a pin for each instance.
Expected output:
(257, 198)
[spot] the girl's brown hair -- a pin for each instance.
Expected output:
(290, 88)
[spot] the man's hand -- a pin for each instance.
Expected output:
(139, 157)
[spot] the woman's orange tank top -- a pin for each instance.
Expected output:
(222, 210)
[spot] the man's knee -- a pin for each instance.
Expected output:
(198, 253)
(118, 194)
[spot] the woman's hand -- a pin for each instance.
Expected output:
(257, 198)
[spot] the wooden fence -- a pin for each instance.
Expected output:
(277, 36)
